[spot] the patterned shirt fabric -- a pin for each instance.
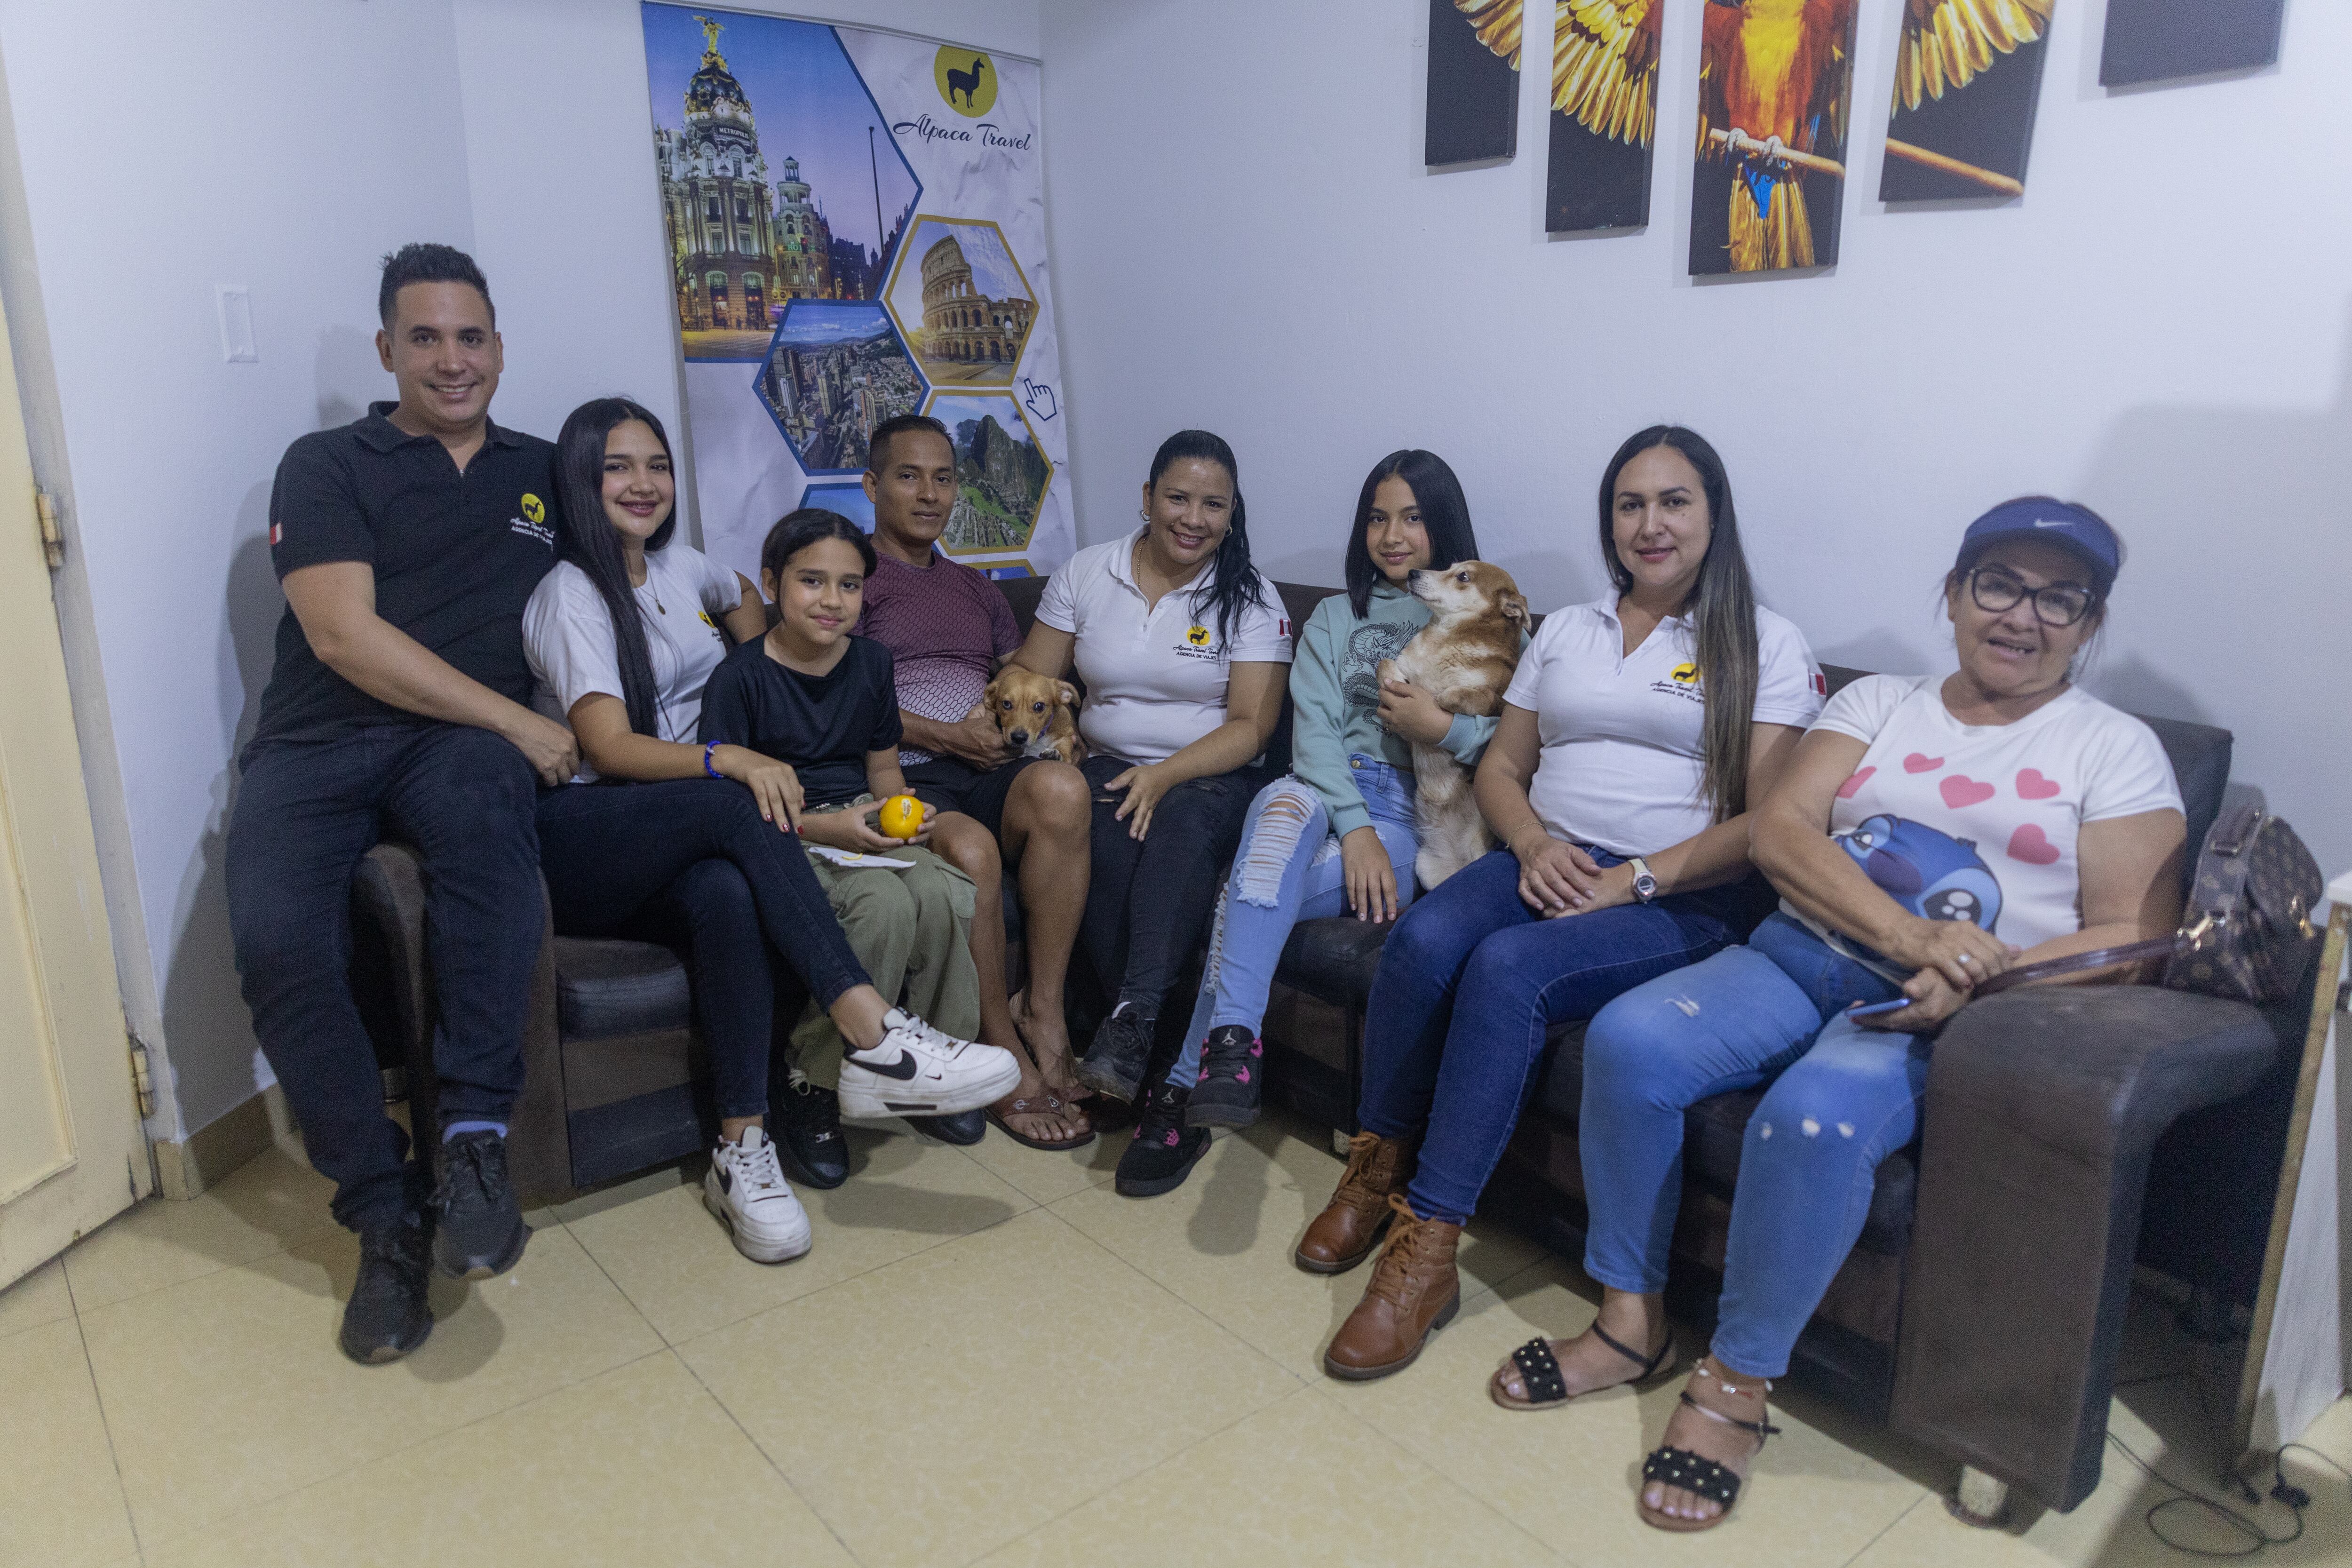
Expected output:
(946, 625)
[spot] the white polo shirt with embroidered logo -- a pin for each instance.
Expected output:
(1155, 678)
(1624, 733)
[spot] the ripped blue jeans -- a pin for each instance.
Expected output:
(1842, 1099)
(1288, 869)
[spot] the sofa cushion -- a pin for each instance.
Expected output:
(605, 988)
(1333, 959)
(1713, 1131)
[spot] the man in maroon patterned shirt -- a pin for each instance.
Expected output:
(948, 629)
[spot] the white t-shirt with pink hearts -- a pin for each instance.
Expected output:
(1978, 822)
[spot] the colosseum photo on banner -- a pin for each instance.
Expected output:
(855, 228)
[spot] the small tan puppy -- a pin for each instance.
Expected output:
(1037, 716)
(1463, 659)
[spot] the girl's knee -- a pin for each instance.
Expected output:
(1286, 817)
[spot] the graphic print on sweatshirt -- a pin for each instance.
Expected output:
(1368, 646)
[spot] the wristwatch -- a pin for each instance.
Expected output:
(1645, 886)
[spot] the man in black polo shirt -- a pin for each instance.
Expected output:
(407, 543)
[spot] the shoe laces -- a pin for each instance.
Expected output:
(1400, 1257)
(927, 1034)
(1163, 1116)
(399, 1247)
(485, 1154)
(758, 1169)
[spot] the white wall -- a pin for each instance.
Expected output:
(1246, 239)
(149, 151)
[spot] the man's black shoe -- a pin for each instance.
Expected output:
(478, 1230)
(965, 1127)
(1160, 1153)
(1233, 1064)
(1119, 1054)
(386, 1317)
(808, 1131)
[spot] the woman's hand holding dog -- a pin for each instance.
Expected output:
(1410, 712)
(1143, 787)
(1371, 878)
(852, 829)
(773, 784)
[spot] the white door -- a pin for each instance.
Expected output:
(72, 1154)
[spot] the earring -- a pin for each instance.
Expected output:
(1141, 512)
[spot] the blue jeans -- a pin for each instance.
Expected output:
(1288, 869)
(1453, 1029)
(1842, 1099)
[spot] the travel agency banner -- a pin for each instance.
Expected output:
(856, 230)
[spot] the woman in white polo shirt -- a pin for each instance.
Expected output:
(1184, 650)
(1632, 737)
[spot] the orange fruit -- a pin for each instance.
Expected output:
(901, 817)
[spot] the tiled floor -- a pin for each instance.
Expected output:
(990, 1357)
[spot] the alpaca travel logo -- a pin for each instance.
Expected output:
(967, 80)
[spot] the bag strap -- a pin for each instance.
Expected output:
(2075, 962)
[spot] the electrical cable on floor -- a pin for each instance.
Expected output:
(2257, 1538)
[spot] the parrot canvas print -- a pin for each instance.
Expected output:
(1473, 82)
(2159, 40)
(1605, 113)
(1968, 74)
(1775, 99)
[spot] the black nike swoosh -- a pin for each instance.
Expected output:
(903, 1068)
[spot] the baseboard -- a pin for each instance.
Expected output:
(185, 1167)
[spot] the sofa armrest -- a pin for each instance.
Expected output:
(2042, 1108)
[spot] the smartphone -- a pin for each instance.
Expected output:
(1875, 1008)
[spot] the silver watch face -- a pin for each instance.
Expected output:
(1645, 886)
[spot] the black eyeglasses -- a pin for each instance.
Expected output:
(2059, 604)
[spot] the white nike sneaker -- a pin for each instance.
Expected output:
(745, 1188)
(918, 1070)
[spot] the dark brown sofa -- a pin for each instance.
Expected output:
(1981, 1311)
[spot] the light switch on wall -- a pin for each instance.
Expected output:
(237, 324)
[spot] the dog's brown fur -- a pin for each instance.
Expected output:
(1463, 657)
(1037, 716)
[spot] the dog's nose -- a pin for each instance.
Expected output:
(1020, 737)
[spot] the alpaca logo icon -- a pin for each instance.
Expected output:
(533, 509)
(967, 80)
(1683, 674)
(1198, 636)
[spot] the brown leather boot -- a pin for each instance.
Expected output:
(1412, 1293)
(1350, 1227)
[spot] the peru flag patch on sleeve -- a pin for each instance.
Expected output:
(276, 534)
(1820, 683)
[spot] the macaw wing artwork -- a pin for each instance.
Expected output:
(1605, 101)
(1968, 74)
(1473, 82)
(1776, 84)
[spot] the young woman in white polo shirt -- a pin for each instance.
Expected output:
(1632, 737)
(1185, 650)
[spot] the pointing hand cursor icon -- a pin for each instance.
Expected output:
(1040, 399)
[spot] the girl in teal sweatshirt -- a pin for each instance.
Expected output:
(1336, 835)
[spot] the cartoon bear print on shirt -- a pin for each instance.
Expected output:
(1931, 874)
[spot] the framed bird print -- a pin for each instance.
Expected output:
(1605, 113)
(1775, 95)
(2157, 40)
(1473, 82)
(1968, 74)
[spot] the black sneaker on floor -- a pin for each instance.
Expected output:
(807, 1124)
(477, 1230)
(1160, 1153)
(387, 1317)
(965, 1128)
(1232, 1063)
(1119, 1054)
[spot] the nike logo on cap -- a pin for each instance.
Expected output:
(2051, 521)
(904, 1067)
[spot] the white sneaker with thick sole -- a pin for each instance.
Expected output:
(918, 1070)
(745, 1187)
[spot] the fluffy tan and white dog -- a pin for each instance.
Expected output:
(1463, 657)
(1037, 716)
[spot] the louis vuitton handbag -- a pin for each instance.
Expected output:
(2247, 935)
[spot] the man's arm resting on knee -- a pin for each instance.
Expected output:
(335, 602)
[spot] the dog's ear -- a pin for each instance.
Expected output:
(989, 692)
(1514, 605)
(1067, 694)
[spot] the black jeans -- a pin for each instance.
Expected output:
(689, 863)
(1148, 905)
(305, 812)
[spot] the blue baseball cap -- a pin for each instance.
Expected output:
(2077, 528)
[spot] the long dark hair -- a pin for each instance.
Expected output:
(592, 544)
(1445, 515)
(1237, 583)
(1721, 606)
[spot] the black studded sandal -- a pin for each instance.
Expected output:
(1540, 1372)
(1695, 1473)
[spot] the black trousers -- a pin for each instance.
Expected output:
(305, 812)
(689, 863)
(1148, 905)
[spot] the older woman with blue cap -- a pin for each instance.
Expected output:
(1929, 833)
